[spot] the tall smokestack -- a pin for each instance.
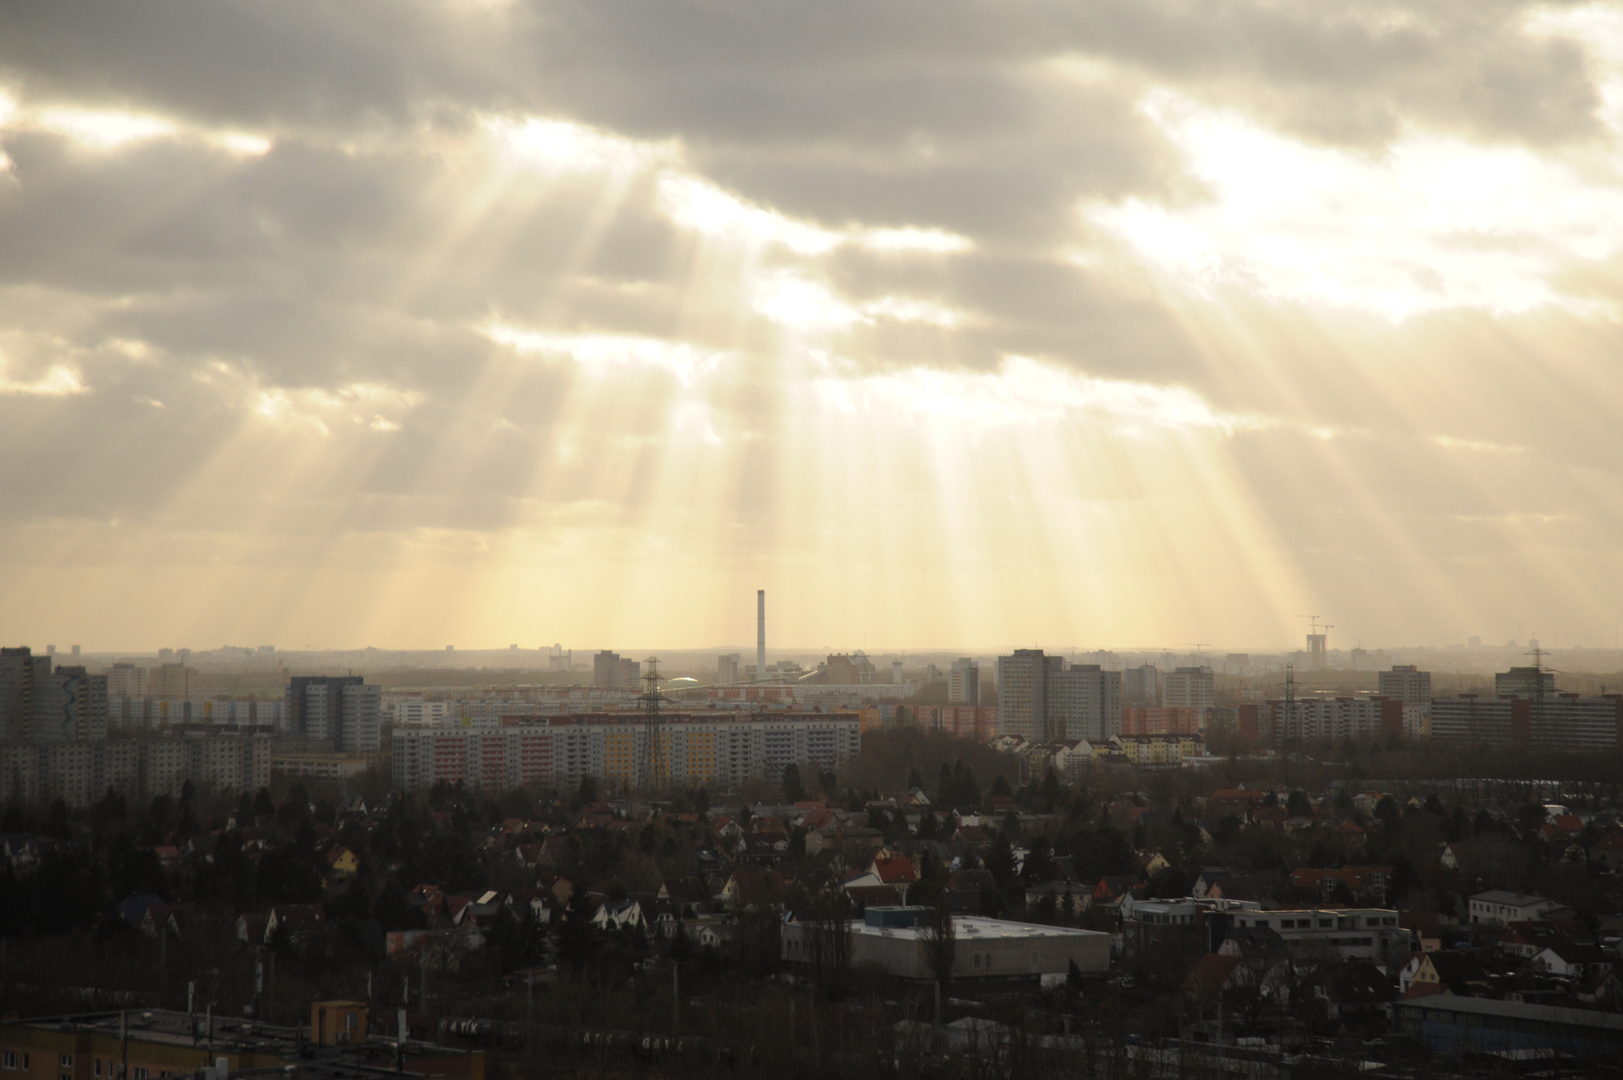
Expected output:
(760, 635)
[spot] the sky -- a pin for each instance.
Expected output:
(1090, 324)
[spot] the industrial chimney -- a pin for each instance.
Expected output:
(760, 635)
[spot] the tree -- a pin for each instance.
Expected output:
(1298, 804)
(1040, 865)
(915, 782)
(940, 943)
(1000, 860)
(578, 939)
(828, 938)
(793, 790)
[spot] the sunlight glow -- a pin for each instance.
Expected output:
(354, 405)
(934, 241)
(566, 146)
(1025, 391)
(103, 129)
(702, 206)
(1436, 223)
(600, 352)
(59, 380)
(802, 303)
(908, 310)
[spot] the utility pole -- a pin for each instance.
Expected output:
(654, 727)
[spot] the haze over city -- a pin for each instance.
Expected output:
(951, 325)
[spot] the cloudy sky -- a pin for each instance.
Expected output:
(949, 323)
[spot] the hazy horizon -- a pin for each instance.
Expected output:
(465, 320)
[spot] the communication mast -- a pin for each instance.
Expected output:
(1290, 700)
(657, 763)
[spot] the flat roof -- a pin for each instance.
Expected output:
(981, 927)
(1515, 1010)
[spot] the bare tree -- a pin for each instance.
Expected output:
(940, 942)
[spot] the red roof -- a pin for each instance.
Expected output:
(895, 871)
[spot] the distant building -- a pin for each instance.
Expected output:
(727, 669)
(612, 672)
(1406, 683)
(126, 680)
(1527, 682)
(848, 670)
(340, 709)
(1189, 688)
(170, 681)
(1141, 686)
(964, 682)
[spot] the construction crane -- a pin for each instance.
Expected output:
(1318, 639)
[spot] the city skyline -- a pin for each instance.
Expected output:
(951, 328)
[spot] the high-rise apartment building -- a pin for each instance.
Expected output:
(1022, 700)
(1563, 722)
(1141, 687)
(1041, 697)
(727, 669)
(39, 703)
(18, 668)
(964, 682)
(1406, 683)
(340, 709)
(611, 671)
(1189, 688)
(69, 704)
(1083, 702)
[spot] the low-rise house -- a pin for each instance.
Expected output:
(619, 915)
(1364, 884)
(1448, 972)
(1569, 960)
(342, 861)
(1499, 906)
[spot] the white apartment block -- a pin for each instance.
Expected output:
(718, 749)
